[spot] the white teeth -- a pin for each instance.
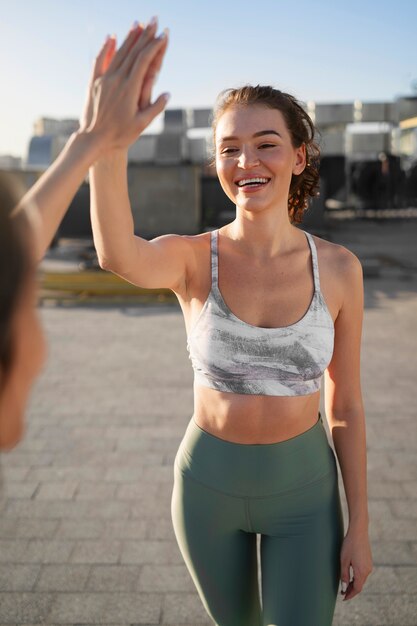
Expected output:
(251, 180)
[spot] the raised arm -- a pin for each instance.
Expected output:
(165, 260)
(162, 262)
(46, 202)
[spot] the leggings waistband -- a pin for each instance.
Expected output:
(255, 469)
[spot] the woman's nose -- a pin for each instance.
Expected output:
(248, 158)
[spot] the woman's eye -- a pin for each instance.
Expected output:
(230, 150)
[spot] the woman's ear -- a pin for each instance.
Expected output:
(300, 160)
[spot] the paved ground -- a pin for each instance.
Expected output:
(85, 528)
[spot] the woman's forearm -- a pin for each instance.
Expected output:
(47, 201)
(349, 436)
(111, 214)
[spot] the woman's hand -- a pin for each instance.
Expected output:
(118, 106)
(117, 110)
(355, 553)
(100, 65)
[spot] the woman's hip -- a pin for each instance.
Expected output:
(256, 469)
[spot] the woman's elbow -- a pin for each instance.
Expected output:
(105, 262)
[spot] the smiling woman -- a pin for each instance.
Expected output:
(269, 310)
(295, 124)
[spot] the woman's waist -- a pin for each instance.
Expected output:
(249, 419)
(256, 469)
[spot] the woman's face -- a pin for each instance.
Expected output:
(253, 142)
(28, 357)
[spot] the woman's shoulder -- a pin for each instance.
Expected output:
(337, 256)
(199, 246)
(199, 243)
(340, 272)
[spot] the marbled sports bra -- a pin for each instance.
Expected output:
(228, 354)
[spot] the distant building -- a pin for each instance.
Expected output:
(368, 159)
(49, 138)
(352, 129)
(9, 162)
(44, 149)
(51, 126)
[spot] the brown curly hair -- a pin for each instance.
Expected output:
(15, 265)
(301, 128)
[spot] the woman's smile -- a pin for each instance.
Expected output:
(252, 184)
(254, 156)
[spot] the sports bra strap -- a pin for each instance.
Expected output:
(214, 259)
(314, 260)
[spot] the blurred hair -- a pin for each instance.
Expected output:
(14, 265)
(300, 126)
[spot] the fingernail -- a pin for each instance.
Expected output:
(107, 38)
(344, 587)
(135, 24)
(153, 20)
(166, 95)
(164, 33)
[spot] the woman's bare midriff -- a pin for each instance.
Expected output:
(244, 418)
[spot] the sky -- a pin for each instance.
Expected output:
(326, 51)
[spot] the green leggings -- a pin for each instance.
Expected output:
(226, 493)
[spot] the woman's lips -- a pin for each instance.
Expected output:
(252, 188)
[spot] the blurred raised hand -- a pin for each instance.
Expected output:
(118, 105)
(117, 109)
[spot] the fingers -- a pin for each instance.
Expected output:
(354, 586)
(100, 65)
(99, 61)
(353, 589)
(348, 592)
(161, 53)
(141, 43)
(144, 60)
(345, 576)
(146, 116)
(152, 74)
(146, 92)
(108, 56)
(131, 39)
(131, 72)
(359, 574)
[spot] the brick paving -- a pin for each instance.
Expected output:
(85, 528)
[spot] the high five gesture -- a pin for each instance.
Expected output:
(117, 109)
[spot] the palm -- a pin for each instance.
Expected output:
(114, 103)
(100, 65)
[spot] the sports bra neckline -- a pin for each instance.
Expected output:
(215, 290)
